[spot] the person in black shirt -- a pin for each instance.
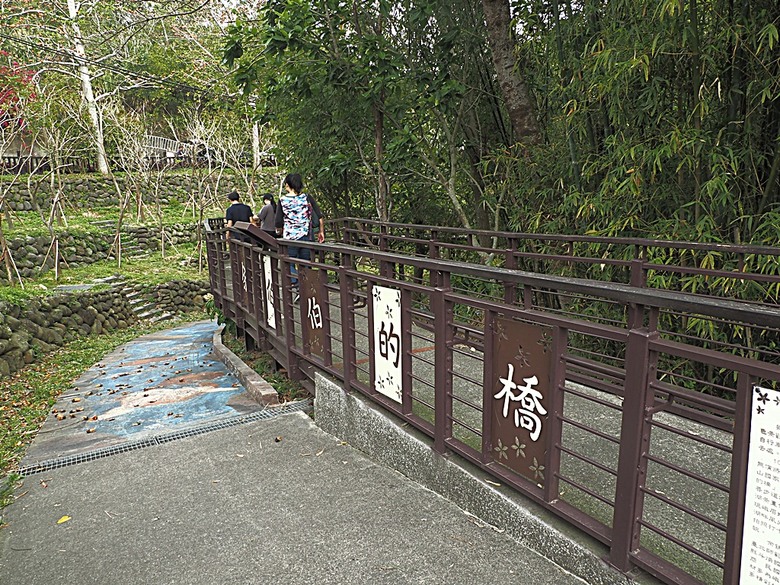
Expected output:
(237, 211)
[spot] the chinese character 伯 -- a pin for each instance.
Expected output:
(529, 400)
(314, 314)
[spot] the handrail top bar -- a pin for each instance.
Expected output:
(743, 312)
(644, 242)
(254, 232)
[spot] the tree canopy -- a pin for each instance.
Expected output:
(619, 117)
(616, 117)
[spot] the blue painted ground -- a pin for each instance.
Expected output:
(156, 383)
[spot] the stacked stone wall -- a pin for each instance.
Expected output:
(90, 191)
(40, 325)
(35, 255)
(180, 296)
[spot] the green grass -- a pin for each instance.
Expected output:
(29, 223)
(27, 396)
(180, 263)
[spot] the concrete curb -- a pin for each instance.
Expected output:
(399, 446)
(260, 390)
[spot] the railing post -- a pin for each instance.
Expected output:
(638, 275)
(347, 324)
(293, 370)
(634, 445)
(555, 413)
(738, 484)
(638, 279)
(510, 261)
(236, 312)
(442, 310)
(433, 253)
(488, 375)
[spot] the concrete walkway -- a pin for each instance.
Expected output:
(253, 496)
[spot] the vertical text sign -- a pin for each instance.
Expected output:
(761, 532)
(312, 310)
(270, 312)
(386, 305)
(521, 369)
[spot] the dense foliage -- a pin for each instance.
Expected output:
(649, 117)
(654, 118)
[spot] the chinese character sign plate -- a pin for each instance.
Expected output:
(761, 533)
(312, 310)
(387, 351)
(521, 383)
(270, 312)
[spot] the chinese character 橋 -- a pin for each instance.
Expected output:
(529, 400)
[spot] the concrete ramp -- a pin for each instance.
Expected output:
(275, 501)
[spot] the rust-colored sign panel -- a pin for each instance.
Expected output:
(312, 303)
(521, 366)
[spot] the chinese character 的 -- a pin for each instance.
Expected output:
(389, 344)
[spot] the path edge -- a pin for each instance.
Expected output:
(258, 388)
(395, 444)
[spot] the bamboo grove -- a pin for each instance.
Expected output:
(651, 118)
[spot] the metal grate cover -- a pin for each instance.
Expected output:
(161, 439)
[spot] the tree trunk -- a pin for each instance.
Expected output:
(256, 161)
(383, 192)
(86, 90)
(514, 90)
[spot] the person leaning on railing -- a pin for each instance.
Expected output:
(266, 217)
(294, 215)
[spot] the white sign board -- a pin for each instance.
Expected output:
(761, 533)
(386, 305)
(270, 312)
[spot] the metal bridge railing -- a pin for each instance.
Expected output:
(598, 400)
(722, 270)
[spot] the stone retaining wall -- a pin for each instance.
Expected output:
(35, 255)
(88, 191)
(49, 322)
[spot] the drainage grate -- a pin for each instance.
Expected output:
(161, 439)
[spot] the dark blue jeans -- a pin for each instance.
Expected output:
(298, 252)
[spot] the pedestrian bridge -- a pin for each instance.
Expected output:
(627, 386)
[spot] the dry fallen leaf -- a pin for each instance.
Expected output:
(92, 430)
(77, 399)
(278, 439)
(63, 520)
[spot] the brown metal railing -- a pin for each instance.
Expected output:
(646, 429)
(731, 271)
